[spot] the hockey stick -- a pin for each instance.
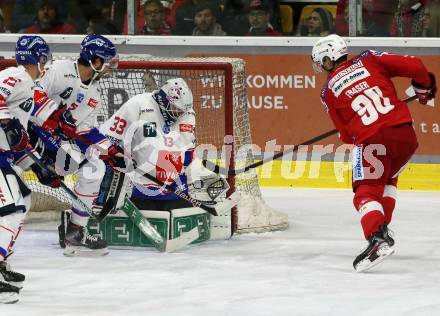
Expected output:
(233, 172)
(229, 203)
(162, 244)
(64, 187)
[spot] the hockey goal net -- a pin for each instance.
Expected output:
(222, 122)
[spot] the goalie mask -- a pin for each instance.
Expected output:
(174, 98)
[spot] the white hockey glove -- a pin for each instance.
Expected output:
(210, 188)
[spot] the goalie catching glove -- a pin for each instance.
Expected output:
(210, 188)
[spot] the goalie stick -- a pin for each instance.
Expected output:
(163, 245)
(233, 172)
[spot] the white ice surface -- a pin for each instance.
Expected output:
(306, 270)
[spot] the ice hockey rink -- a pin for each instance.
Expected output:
(306, 270)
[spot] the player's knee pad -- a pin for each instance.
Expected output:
(367, 193)
(13, 193)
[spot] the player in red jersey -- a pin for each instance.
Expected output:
(362, 102)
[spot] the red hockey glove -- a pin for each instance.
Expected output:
(61, 123)
(16, 135)
(67, 125)
(115, 157)
(424, 94)
(46, 177)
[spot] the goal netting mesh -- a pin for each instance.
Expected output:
(222, 121)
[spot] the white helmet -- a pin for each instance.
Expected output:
(175, 98)
(332, 46)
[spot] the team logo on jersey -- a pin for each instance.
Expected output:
(188, 128)
(80, 97)
(150, 129)
(27, 105)
(92, 103)
(66, 93)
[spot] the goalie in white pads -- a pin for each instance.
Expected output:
(71, 88)
(16, 108)
(157, 131)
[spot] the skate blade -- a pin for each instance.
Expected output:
(16, 284)
(78, 251)
(366, 264)
(8, 297)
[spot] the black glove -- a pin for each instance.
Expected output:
(16, 135)
(423, 93)
(46, 177)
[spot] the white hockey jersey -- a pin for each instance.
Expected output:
(61, 84)
(157, 147)
(16, 101)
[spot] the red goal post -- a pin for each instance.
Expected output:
(220, 102)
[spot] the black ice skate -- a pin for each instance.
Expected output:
(378, 249)
(8, 293)
(387, 235)
(77, 241)
(9, 276)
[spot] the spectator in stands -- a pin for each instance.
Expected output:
(155, 19)
(185, 15)
(259, 20)
(341, 20)
(319, 23)
(236, 16)
(205, 21)
(101, 19)
(23, 12)
(431, 19)
(376, 16)
(48, 21)
(409, 18)
(3, 28)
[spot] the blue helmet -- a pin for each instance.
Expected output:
(30, 48)
(95, 45)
